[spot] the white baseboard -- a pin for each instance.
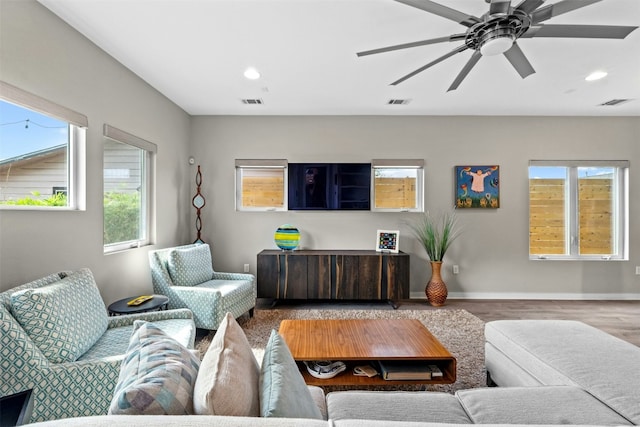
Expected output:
(533, 296)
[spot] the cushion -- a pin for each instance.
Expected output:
(430, 406)
(190, 266)
(228, 380)
(283, 392)
(64, 319)
(537, 405)
(157, 375)
(5, 297)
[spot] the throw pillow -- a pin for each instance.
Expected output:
(190, 266)
(227, 383)
(63, 319)
(283, 392)
(157, 375)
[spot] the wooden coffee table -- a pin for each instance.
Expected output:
(364, 341)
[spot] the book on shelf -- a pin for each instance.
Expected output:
(402, 370)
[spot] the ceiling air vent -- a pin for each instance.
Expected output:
(398, 101)
(614, 102)
(252, 101)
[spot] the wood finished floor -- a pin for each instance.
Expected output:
(619, 318)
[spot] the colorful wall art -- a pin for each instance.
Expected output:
(477, 187)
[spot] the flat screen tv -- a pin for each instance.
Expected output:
(329, 186)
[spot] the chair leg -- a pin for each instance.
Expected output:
(251, 312)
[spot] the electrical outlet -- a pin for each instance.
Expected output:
(638, 270)
(456, 269)
(246, 268)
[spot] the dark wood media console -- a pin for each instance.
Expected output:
(333, 274)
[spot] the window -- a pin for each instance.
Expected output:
(260, 185)
(128, 190)
(397, 185)
(578, 210)
(40, 153)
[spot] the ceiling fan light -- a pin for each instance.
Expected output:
(497, 45)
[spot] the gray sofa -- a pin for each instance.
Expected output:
(543, 355)
(550, 373)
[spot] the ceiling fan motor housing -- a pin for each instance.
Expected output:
(496, 33)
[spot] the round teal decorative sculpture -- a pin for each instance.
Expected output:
(287, 237)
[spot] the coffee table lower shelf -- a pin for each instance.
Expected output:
(347, 377)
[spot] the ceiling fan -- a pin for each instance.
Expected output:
(498, 31)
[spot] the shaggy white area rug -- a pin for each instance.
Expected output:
(458, 330)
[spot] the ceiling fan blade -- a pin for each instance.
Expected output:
(444, 11)
(499, 7)
(424, 67)
(465, 70)
(451, 38)
(580, 31)
(528, 6)
(559, 8)
(519, 61)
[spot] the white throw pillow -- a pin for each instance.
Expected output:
(227, 382)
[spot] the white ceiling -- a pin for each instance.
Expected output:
(195, 52)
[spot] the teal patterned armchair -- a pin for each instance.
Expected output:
(57, 339)
(185, 274)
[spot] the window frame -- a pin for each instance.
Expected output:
(76, 145)
(266, 164)
(414, 164)
(620, 216)
(147, 191)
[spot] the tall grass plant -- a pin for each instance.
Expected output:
(436, 233)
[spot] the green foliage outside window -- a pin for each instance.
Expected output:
(121, 217)
(58, 199)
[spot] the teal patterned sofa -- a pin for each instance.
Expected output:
(57, 339)
(185, 274)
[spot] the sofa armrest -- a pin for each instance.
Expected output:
(221, 275)
(180, 313)
(75, 389)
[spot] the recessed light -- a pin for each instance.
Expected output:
(596, 75)
(251, 73)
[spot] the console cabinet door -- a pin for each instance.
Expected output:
(267, 277)
(346, 278)
(319, 276)
(395, 283)
(370, 277)
(282, 275)
(293, 277)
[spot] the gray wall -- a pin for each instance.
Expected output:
(493, 250)
(43, 55)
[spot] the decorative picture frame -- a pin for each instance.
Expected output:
(477, 187)
(387, 241)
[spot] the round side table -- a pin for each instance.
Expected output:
(158, 302)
